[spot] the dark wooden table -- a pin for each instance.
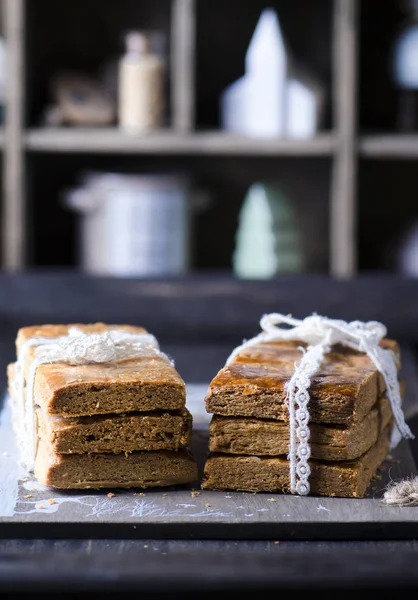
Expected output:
(195, 568)
(198, 320)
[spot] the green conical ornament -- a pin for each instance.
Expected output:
(267, 239)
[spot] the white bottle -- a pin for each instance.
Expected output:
(141, 85)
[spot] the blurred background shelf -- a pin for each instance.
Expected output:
(112, 140)
(206, 48)
(338, 183)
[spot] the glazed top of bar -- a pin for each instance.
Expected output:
(55, 331)
(262, 371)
(133, 384)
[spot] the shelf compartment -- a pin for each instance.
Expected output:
(84, 36)
(387, 209)
(224, 31)
(222, 181)
(378, 25)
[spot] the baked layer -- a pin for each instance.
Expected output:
(142, 384)
(116, 433)
(253, 385)
(255, 474)
(139, 469)
(262, 437)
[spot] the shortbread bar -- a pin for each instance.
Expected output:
(253, 385)
(140, 384)
(128, 432)
(267, 437)
(261, 474)
(139, 469)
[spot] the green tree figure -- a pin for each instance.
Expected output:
(267, 238)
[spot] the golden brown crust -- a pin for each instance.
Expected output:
(255, 474)
(129, 432)
(253, 385)
(140, 384)
(54, 331)
(262, 437)
(139, 469)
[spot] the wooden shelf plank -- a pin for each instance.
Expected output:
(112, 140)
(343, 233)
(400, 146)
(14, 217)
(183, 59)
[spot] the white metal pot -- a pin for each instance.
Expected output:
(133, 225)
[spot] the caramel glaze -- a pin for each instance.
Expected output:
(269, 366)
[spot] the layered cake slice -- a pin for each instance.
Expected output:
(249, 436)
(99, 406)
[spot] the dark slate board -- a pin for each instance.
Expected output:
(182, 514)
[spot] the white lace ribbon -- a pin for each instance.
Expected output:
(76, 348)
(320, 334)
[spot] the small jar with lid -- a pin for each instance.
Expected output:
(141, 82)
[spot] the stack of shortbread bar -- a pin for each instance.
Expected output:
(121, 423)
(350, 421)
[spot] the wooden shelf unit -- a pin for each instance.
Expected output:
(183, 139)
(341, 145)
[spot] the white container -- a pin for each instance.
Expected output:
(133, 225)
(275, 97)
